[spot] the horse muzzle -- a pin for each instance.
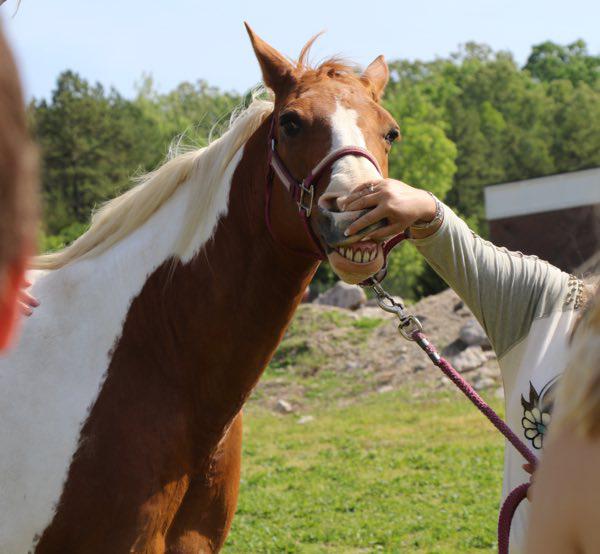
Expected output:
(353, 258)
(333, 225)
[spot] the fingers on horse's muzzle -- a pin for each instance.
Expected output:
(333, 224)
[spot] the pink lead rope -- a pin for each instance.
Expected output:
(411, 329)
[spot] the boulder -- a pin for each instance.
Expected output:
(470, 358)
(484, 383)
(343, 295)
(472, 334)
(283, 407)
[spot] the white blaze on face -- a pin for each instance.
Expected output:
(350, 171)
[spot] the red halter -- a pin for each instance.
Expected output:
(303, 192)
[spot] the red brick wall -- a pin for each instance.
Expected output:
(566, 238)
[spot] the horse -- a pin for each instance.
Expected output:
(121, 407)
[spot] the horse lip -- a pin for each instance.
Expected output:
(333, 224)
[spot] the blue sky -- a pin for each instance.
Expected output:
(115, 42)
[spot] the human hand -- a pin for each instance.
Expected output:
(399, 203)
(529, 468)
(26, 301)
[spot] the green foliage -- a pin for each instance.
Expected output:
(379, 475)
(51, 243)
(469, 120)
(551, 62)
(91, 143)
(188, 113)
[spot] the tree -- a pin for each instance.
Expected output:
(469, 120)
(549, 61)
(91, 144)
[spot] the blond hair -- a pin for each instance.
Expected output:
(121, 216)
(578, 397)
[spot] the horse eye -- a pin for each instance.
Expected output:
(290, 123)
(392, 135)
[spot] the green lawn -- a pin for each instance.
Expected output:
(390, 473)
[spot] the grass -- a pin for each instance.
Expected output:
(389, 473)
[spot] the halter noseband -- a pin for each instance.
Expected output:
(303, 192)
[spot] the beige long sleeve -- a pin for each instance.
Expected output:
(505, 290)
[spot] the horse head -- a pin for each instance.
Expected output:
(318, 113)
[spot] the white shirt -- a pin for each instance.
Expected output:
(526, 307)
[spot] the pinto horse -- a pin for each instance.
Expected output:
(121, 425)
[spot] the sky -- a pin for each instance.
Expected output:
(116, 41)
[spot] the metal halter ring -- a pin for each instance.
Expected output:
(310, 192)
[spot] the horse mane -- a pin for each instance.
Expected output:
(123, 215)
(120, 217)
(333, 67)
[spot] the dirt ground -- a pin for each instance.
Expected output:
(336, 355)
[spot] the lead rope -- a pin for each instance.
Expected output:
(412, 329)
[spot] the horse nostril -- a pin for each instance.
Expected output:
(329, 203)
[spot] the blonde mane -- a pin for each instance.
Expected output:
(121, 216)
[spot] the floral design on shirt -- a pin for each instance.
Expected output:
(537, 412)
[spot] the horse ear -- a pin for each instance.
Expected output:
(277, 71)
(376, 76)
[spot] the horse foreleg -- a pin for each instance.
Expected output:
(205, 515)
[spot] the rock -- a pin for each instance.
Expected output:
(444, 382)
(491, 355)
(472, 334)
(418, 367)
(386, 377)
(384, 389)
(483, 383)
(305, 419)
(283, 407)
(343, 295)
(469, 359)
(459, 306)
(485, 371)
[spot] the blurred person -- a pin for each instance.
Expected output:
(18, 201)
(526, 306)
(565, 507)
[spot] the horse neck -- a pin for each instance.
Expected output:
(232, 303)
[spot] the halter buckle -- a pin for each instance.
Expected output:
(310, 192)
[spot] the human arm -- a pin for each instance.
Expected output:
(505, 290)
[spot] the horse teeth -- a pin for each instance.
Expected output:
(357, 256)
